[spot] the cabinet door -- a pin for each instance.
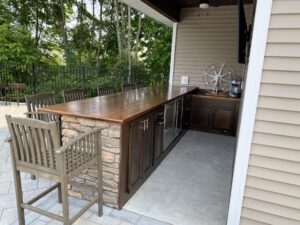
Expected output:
(140, 150)
(135, 156)
(200, 115)
(223, 119)
(147, 149)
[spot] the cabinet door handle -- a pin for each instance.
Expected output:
(144, 124)
(147, 124)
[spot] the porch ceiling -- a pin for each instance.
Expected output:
(214, 3)
(167, 12)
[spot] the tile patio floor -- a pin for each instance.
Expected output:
(8, 212)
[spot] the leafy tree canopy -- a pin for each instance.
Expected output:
(82, 32)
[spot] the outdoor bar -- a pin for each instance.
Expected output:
(116, 115)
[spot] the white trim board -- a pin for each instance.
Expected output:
(248, 109)
(146, 9)
(173, 50)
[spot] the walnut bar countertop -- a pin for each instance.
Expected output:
(120, 107)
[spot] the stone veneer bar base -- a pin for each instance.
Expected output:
(110, 142)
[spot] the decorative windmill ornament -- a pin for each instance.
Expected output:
(217, 77)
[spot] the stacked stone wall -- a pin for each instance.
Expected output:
(111, 148)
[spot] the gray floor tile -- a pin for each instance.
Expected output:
(38, 222)
(7, 201)
(30, 217)
(125, 215)
(149, 221)
(126, 223)
(81, 221)
(54, 222)
(106, 210)
(4, 188)
(104, 220)
(8, 216)
(6, 176)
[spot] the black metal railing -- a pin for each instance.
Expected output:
(44, 78)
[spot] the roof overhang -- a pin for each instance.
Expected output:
(159, 10)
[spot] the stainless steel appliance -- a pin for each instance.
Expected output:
(178, 116)
(172, 121)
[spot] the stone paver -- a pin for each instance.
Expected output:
(8, 212)
(147, 220)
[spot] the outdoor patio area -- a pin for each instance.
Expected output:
(8, 211)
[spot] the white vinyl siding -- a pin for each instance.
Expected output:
(205, 37)
(272, 193)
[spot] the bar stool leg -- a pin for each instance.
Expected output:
(65, 203)
(59, 193)
(19, 196)
(100, 191)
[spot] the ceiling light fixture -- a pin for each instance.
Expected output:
(204, 4)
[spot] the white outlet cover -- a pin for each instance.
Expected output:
(184, 80)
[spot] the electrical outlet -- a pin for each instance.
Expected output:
(184, 80)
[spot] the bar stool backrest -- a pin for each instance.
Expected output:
(140, 85)
(73, 94)
(127, 87)
(105, 90)
(34, 102)
(34, 143)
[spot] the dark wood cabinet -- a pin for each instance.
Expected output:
(214, 114)
(140, 150)
(201, 115)
(223, 118)
(145, 139)
(134, 155)
(187, 106)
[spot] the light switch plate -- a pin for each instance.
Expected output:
(184, 80)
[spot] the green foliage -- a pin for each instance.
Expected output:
(34, 32)
(16, 45)
(156, 41)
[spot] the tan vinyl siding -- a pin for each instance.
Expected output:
(206, 39)
(272, 193)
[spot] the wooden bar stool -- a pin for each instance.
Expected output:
(33, 102)
(35, 149)
(139, 85)
(127, 87)
(106, 90)
(73, 94)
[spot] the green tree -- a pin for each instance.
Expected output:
(16, 45)
(156, 44)
(71, 32)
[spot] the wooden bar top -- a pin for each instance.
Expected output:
(120, 107)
